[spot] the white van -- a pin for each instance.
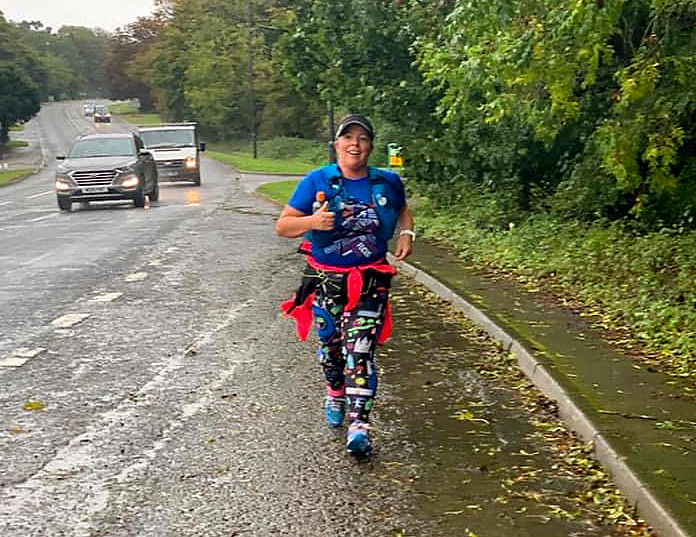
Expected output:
(175, 147)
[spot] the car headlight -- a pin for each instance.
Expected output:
(190, 162)
(130, 181)
(62, 185)
(63, 182)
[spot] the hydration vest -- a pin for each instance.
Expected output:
(335, 196)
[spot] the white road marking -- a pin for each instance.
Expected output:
(107, 297)
(69, 319)
(5, 202)
(41, 194)
(26, 352)
(81, 476)
(12, 361)
(39, 218)
(136, 277)
(20, 355)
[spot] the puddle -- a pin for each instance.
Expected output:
(475, 461)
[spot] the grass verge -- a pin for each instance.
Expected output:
(16, 143)
(247, 163)
(7, 176)
(141, 119)
(280, 191)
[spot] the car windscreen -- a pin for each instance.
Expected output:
(102, 147)
(168, 138)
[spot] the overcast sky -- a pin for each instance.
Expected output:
(105, 14)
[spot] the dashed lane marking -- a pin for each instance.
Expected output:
(80, 466)
(107, 297)
(41, 194)
(69, 319)
(38, 219)
(19, 356)
(136, 277)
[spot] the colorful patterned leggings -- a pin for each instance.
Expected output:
(349, 338)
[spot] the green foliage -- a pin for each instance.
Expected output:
(214, 63)
(640, 283)
(67, 64)
(19, 98)
(132, 51)
(548, 96)
(364, 66)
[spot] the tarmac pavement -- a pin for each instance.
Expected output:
(641, 423)
(29, 157)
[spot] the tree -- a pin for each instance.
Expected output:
(357, 56)
(19, 98)
(129, 72)
(596, 91)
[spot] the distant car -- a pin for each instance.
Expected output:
(88, 109)
(104, 167)
(101, 114)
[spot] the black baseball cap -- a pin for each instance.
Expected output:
(355, 119)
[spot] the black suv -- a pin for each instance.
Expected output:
(104, 167)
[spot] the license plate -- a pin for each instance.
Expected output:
(94, 189)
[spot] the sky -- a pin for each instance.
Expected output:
(104, 14)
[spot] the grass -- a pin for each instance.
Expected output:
(141, 119)
(278, 191)
(123, 108)
(16, 143)
(286, 148)
(247, 163)
(7, 176)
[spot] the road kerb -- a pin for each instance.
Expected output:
(647, 505)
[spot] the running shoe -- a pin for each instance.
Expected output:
(335, 410)
(358, 441)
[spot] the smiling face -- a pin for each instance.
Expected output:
(353, 147)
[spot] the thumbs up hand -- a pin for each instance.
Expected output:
(323, 219)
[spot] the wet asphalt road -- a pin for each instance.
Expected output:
(150, 387)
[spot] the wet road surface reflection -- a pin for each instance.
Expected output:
(486, 456)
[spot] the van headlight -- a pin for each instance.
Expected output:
(190, 162)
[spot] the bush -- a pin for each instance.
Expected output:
(643, 283)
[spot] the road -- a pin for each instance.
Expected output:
(150, 387)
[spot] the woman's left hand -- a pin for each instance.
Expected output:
(404, 247)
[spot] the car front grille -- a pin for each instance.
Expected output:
(94, 178)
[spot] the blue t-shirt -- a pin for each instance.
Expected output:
(357, 243)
